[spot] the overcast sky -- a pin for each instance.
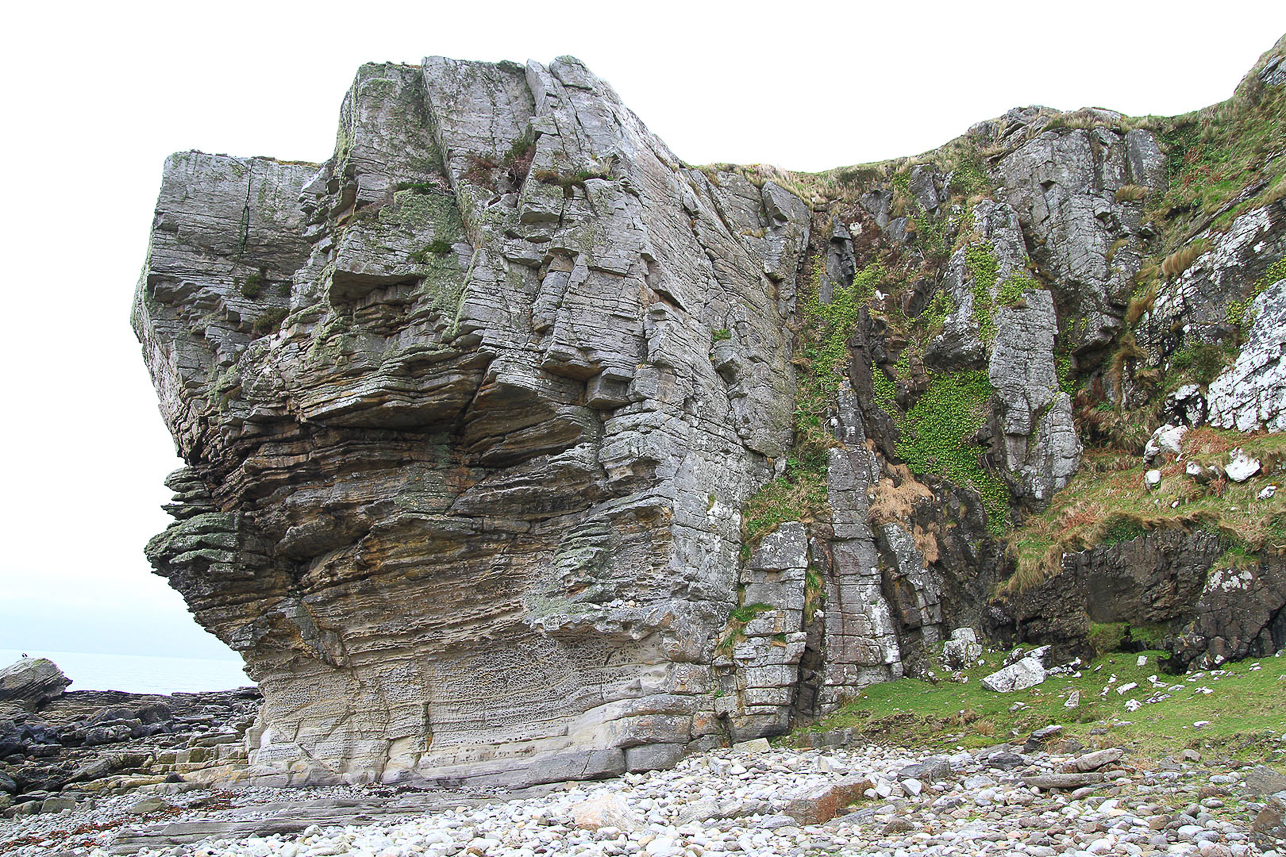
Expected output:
(98, 94)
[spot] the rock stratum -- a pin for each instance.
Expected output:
(520, 450)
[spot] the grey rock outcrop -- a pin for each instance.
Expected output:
(1170, 579)
(1063, 187)
(432, 392)
(1252, 393)
(1015, 342)
(31, 682)
(1192, 308)
(475, 415)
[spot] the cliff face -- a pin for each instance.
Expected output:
(520, 450)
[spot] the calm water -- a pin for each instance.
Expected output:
(138, 673)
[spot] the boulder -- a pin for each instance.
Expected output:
(1240, 466)
(1005, 760)
(610, 810)
(1263, 780)
(1025, 673)
(928, 770)
(819, 804)
(1045, 782)
(32, 682)
(1269, 828)
(1166, 439)
(1094, 761)
(57, 804)
(962, 650)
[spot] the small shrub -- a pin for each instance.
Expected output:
(1107, 637)
(720, 335)
(1200, 363)
(517, 161)
(1122, 527)
(270, 320)
(253, 284)
(436, 247)
(481, 170)
(746, 612)
(569, 181)
(1012, 290)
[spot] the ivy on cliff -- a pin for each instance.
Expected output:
(938, 438)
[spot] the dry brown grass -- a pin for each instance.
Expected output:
(926, 541)
(1275, 192)
(1205, 442)
(893, 498)
(1115, 248)
(1180, 260)
(1141, 303)
(1129, 350)
(1132, 193)
(1108, 502)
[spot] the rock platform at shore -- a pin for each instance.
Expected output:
(59, 749)
(750, 802)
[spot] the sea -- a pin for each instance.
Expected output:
(139, 673)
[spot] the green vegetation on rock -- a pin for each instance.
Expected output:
(800, 494)
(980, 260)
(938, 437)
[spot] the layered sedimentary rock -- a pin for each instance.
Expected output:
(465, 479)
(472, 412)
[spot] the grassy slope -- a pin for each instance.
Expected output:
(1246, 710)
(1108, 501)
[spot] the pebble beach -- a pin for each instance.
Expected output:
(754, 802)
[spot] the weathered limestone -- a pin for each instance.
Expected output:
(471, 412)
(490, 413)
(1251, 394)
(1063, 187)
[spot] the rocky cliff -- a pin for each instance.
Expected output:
(520, 450)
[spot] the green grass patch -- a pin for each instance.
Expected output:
(1214, 154)
(943, 714)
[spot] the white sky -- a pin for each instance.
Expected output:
(99, 93)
